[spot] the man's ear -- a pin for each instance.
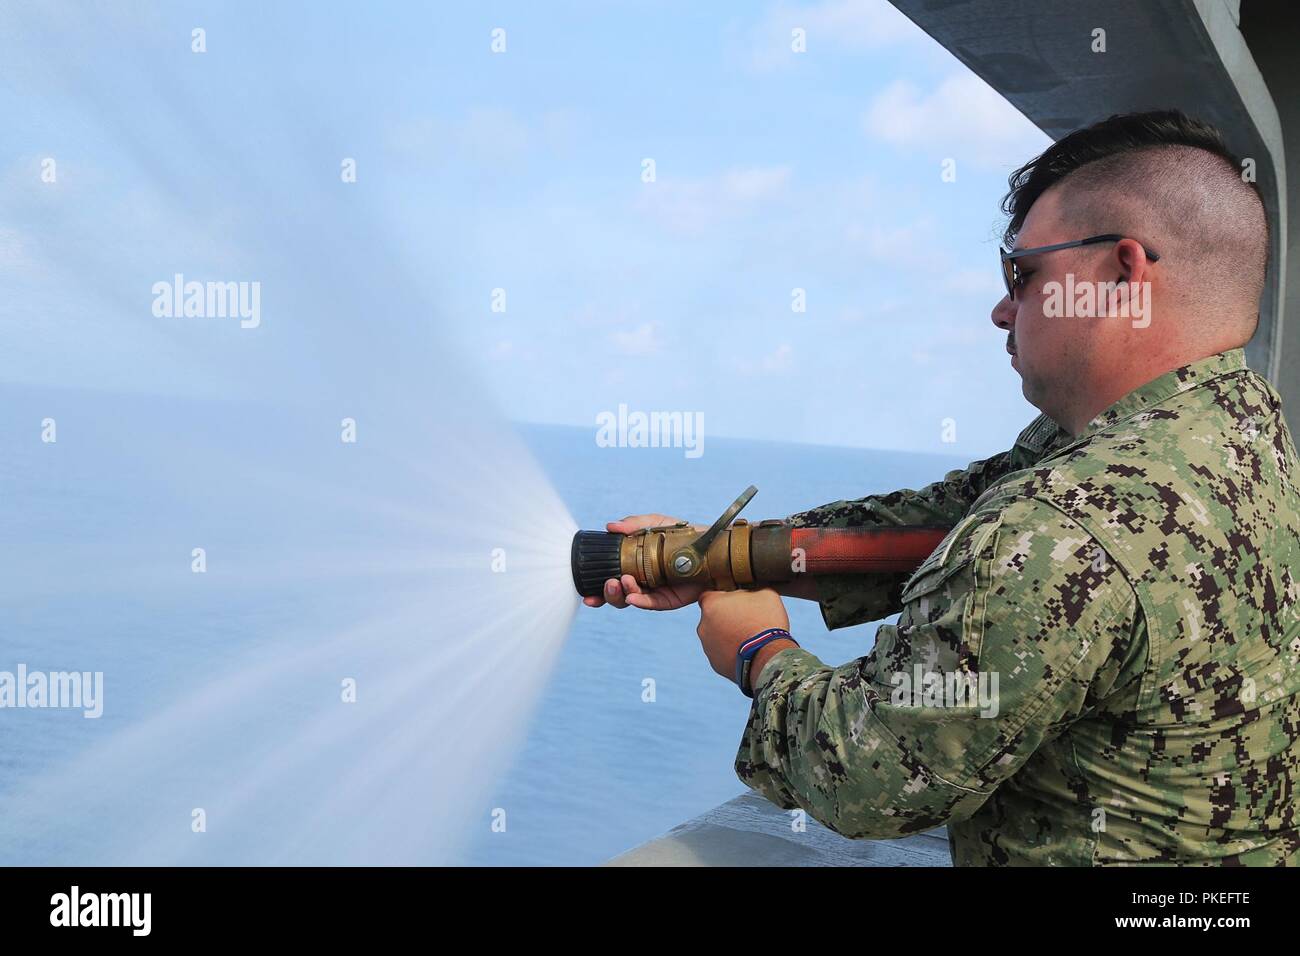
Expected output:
(1132, 260)
(1131, 263)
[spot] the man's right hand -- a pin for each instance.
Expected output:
(624, 592)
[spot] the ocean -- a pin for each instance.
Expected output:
(327, 560)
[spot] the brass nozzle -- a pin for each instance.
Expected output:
(723, 557)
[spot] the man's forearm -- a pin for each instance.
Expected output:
(812, 742)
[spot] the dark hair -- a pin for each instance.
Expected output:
(1121, 133)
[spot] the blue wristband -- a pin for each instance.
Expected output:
(745, 653)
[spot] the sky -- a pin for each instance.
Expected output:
(503, 214)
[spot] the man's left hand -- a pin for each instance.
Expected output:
(729, 618)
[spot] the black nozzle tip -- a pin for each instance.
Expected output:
(595, 559)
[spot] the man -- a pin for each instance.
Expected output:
(1128, 575)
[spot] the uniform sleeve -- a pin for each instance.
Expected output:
(1018, 625)
(853, 599)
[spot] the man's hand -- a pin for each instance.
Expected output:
(729, 618)
(621, 593)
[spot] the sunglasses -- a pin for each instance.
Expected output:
(1014, 279)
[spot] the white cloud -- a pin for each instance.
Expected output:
(755, 184)
(495, 135)
(897, 246)
(695, 205)
(832, 24)
(962, 118)
(642, 340)
(561, 130)
(779, 359)
(16, 253)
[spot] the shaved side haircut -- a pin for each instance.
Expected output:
(1172, 183)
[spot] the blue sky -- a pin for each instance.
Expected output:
(521, 171)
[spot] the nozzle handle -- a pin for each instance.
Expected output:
(696, 550)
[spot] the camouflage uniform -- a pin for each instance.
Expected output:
(1134, 590)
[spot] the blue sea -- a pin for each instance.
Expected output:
(307, 538)
(602, 771)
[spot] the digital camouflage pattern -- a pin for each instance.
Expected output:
(848, 599)
(1133, 589)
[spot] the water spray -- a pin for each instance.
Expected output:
(732, 553)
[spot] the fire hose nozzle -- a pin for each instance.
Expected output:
(731, 553)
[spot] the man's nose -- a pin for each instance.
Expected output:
(1004, 314)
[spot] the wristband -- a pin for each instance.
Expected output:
(745, 653)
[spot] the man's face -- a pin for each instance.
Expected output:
(1051, 353)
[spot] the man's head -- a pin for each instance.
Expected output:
(1089, 324)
